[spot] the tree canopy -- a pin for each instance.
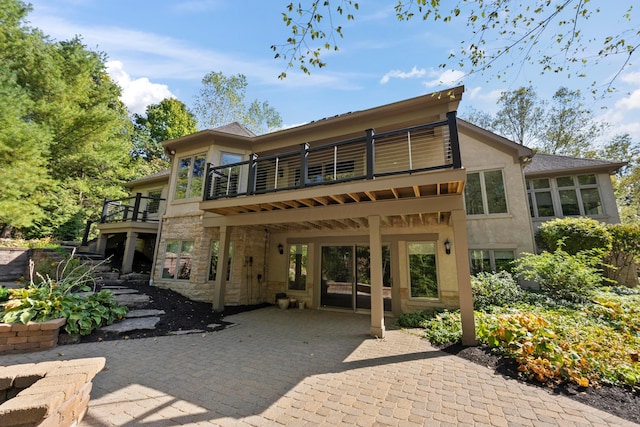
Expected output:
(64, 134)
(165, 120)
(563, 125)
(552, 36)
(221, 101)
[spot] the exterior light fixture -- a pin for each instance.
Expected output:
(447, 246)
(280, 248)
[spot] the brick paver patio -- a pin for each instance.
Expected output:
(306, 367)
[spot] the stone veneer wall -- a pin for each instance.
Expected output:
(242, 287)
(48, 393)
(31, 336)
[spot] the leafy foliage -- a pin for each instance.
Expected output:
(494, 289)
(576, 234)
(221, 101)
(625, 251)
(441, 326)
(563, 276)
(47, 298)
(166, 120)
(505, 30)
(64, 134)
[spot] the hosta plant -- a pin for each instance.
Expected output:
(68, 296)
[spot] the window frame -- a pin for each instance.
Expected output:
(484, 195)
(188, 190)
(556, 190)
(304, 266)
(179, 255)
(435, 273)
(491, 259)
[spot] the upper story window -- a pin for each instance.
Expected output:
(484, 193)
(190, 176)
(564, 196)
(153, 201)
(226, 180)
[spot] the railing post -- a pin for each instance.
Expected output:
(105, 210)
(371, 154)
(251, 183)
(85, 236)
(304, 164)
(454, 140)
(136, 207)
(208, 182)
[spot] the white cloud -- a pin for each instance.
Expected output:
(137, 93)
(397, 74)
(631, 102)
(446, 78)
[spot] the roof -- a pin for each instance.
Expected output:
(550, 164)
(161, 176)
(235, 128)
(522, 151)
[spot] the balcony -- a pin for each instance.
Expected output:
(404, 163)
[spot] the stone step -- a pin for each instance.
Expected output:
(144, 313)
(123, 291)
(133, 300)
(136, 277)
(132, 324)
(108, 275)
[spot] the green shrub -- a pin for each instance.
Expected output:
(494, 289)
(563, 276)
(4, 293)
(416, 319)
(625, 250)
(577, 234)
(444, 328)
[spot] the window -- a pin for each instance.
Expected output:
(153, 201)
(491, 260)
(190, 177)
(226, 180)
(177, 260)
(569, 195)
(540, 198)
(213, 260)
(422, 269)
(298, 267)
(484, 193)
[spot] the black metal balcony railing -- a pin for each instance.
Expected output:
(136, 209)
(421, 148)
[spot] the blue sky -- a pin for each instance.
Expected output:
(160, 48)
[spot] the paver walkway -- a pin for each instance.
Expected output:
(306, 367)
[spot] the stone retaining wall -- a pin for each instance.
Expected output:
(48, 393)
(13, 263)
(32, 336)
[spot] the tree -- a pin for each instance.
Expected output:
(566, 128)
(569, 126)
(221, 101)
(520, 116)
(166, 120)
(511, 30)
(626, 182)
(64, 115)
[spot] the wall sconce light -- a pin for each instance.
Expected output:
(280, 248)
(447, 246)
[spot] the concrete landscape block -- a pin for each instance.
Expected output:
(29, 409)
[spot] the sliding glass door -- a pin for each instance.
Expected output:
(346, 277)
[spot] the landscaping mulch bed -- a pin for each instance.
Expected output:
(619, 401)
(183, 314)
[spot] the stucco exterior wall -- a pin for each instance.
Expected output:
(513, 230)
